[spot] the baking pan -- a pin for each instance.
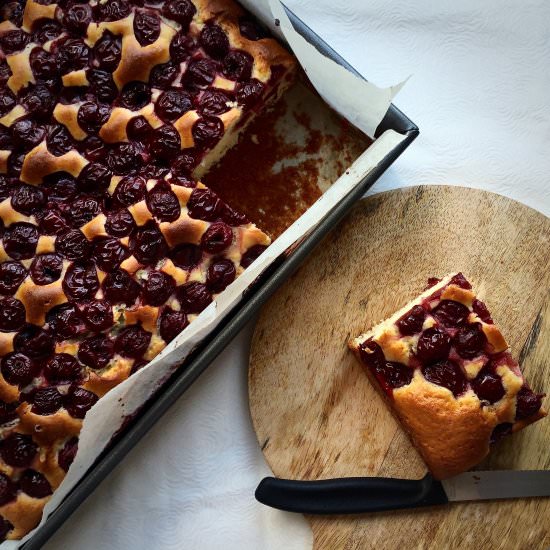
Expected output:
(138, 425)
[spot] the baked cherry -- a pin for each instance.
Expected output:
(35, 484)
(27, 133)
(8, 489)
(232, 217)
(15, 163)
(469, 341)
(12, 274)
(163, 75)
(488, 386)
(372, 355)
(130, 189)
(7, 412)
(200, 73)
(18, 369)
(480, 309)
(249, 93)
(132, 341)
(187, 256)
(528, 403)
(446, 374)
(5, 139)
(64, 321)
(46, 401)
(78, 402)
(460, 281)
(251, 29)
(7, 101)
(135, 95)
(433, 345)
(158, 287)
(252, 254)
(72, 55)
(181, 11)
(393, 375)
(451, 313)
(96, 352)
(83, 209)
(12, 314)
(214, 41)
(62, 368)
(93, 149)
(220, 275)
(147, 244)
(18, 450)
(46, 269)
(123, 158)
(163, 203)
(38, 100)
(182, 46)
(113, 10)
(214, 102)
(45, 30)
(165, 142)
(107, 51)
(146, 27)
(138, 129)
(172, 104)
(80, 282)
(5, 72)
(412, 322)
(66, 455)
(171, 324)
(183, 165)
(43, 64)
(120, 223)
(72, 245)
(13, 41)
(237, 65)
(92, 116)
(77, 17)
(193, 297)
(5, 528)
(94, 177)
(207, 131)
(102, 85)
(108, 253)
(203, 204)
(34, 342)
(52, 223)
(217, 238)
(98, 315)
(120, 288)
(500, 431)
(59, 140)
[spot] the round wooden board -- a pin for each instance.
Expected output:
(313, 409)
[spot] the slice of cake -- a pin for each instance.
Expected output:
(447, 372)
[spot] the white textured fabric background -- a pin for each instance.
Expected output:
(480, 94)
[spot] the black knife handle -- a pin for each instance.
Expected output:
(351, 495)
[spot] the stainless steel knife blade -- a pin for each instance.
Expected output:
(497, 484)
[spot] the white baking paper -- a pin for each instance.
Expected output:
(107, 416)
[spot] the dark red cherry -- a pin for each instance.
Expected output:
(27, 134)
(96, 352)
(66, 455)
(147, 244)
(5, 72)
(181, 11)
(183, 165)
(172, 104)
(135, 95)
(5, 140)
(146, 27)
(200, 73)
(52, 223)
(460, 281)
(213, 103)
(193, 297)
(412, 322)
(64, 321)
(500, 432)
(5, 525)
(171, 324)
(78, 402)
(72, 245)
(158, 287)
(249, 93)
(38, 100)
(46, 401)
(18, 369)
(123, 158)
(102, 85)
(113, 10)
(34, 342)
(45, 30)
(451, 313)
(187, 256)
(12, 274)
(93, 149)
(132, 341)
(15, 163)
(92, 116)
(163, 75)
(165, 142)
(372, 355)
(204, 204)
(12, 314)
(394, 375)
(120, 288)
(98, 315)
(46, 269)
(232, 217)
(108, 253)
(469, 341)
(18, 450)
(58, 140)
(182, 46)
(120, 223)
(82, 210)
(251, 29)
(446, 374)
(433, 345)
(7, 412)
(237, 65)
(94, 177)
(107, 51)
(251, 254)
(138, 129)
(62, 368)
(80, 282)
(480, 309)
(8, 489)
(220, 275)
(77, 17)
(35, 484)
(72, 55)
(528, 403)
(43, 64)
(432, 281)
(217, 238)
(163, 203)
(130, 190)
(7, 101)
(13, 41)
(488, 386)
(207, 131)
(214, 41)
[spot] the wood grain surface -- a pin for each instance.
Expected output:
(313, 409)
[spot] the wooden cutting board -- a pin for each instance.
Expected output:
(313, 409)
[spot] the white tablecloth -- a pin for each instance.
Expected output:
(480, 94)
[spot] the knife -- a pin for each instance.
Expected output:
(357, 495)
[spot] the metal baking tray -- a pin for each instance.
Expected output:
(200, 359)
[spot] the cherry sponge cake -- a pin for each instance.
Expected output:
(109, 247)
(447, 373)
